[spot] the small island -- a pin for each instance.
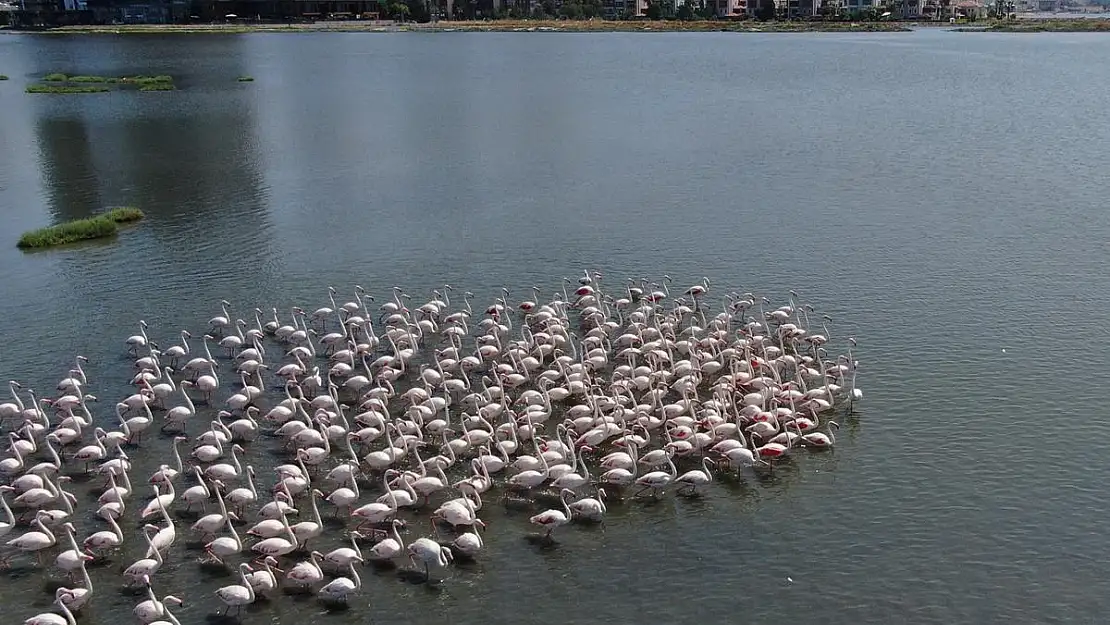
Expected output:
(62, 83)
(3, 77)
(96, 227)
(246, 79)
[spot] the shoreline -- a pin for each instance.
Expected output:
(565, 26)
(1021, 25)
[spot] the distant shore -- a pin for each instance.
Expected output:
(753, 26)
(483, 26)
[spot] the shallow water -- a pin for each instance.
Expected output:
(938, 194)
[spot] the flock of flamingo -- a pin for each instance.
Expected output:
(591, 397)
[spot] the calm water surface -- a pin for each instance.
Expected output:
(941, 195)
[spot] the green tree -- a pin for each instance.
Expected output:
(399, 11)
(418, 10)
(654, 10)
(766, 10)
(685, 12)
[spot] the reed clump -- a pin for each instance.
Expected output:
(96, 227)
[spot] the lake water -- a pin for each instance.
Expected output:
(941, 195)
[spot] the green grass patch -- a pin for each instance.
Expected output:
(64, 89)
(246, 79)
(124, 214)
(97, 227)
(64, 83)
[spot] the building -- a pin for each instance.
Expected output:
(727, 8)
(282, 10)
(7, 13)
(137, 11)
(783, 9)
(970, 9)
(623, 9)
(906, 9)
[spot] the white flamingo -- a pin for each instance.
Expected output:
(340, 588)
(49, 618)
(35, 541)
(551, 519)
(237, 595)
(152, 609)
(144, 568)
(429, 552)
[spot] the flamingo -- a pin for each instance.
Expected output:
(342, 556)
(152, 609)
(35, 541)
(821, 440)
(340, 588)
(657, 480)
(551, 519)
(305, 574)
(589, 508)
(389, 548)
(694, 478)
(237, 595)
(49, 618)
(264, 581)
(144, 568)
(429, 552)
